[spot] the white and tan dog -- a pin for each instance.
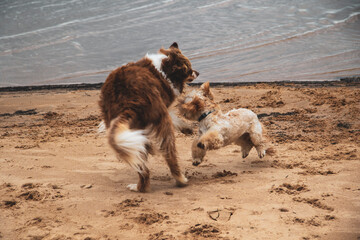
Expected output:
(216, 129)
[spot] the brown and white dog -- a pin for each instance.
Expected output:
(216, 129)
(134, 103)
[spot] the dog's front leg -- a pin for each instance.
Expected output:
(211, 140)
(197, 153)
(180, 124)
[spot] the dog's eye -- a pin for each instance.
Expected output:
(187, 70)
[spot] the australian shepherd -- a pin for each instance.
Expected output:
(134, 103)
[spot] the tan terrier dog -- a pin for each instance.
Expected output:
(216, 129)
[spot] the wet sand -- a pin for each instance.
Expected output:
(59, 179)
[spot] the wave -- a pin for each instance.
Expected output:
(24, 4)
(214, 4)
(350, 19)
(34, 47)
(141, 7)
(56, 4)
(61, 25)
(73, 76)
(244, 47)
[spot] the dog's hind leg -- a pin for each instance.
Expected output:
(246, 144)
(131, 146)
(256, 138)
(197, 153)
(166, 138)
(180, 124)
(143, 184)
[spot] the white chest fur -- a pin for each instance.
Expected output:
(156, 60)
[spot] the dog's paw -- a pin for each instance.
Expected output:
(200, 145)
(261, 153)
(196, 162)
(132, 187)
(181, 181)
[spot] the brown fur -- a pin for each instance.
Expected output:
(196, 106)
(137, 97)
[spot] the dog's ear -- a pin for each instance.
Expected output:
(168, 51)
(165, 51)
(198, 104)
(205, 87)
(193, 108)
(174, 45)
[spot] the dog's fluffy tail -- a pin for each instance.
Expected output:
(129, 144)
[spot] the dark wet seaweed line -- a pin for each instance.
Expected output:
(20, 112)
(348, 81)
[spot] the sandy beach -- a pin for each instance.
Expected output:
(59, 179)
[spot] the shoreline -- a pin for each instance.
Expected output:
(349, 82)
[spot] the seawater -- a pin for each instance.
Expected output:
(80, 41)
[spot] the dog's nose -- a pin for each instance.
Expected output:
(200, 145)
(195, 74)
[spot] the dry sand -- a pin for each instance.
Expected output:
(59, 179)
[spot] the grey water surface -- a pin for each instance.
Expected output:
(80, 41)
